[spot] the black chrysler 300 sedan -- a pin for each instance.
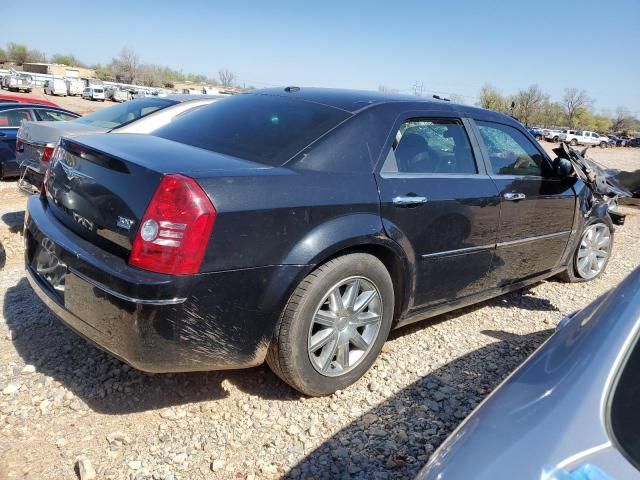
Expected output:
(298, 226)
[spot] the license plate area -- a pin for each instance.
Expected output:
(49, 267)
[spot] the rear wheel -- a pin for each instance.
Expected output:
(592, 253)
(334, 325)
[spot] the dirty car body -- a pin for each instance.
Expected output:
(569, 412)
(295, 178)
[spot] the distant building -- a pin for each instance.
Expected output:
(59, 70)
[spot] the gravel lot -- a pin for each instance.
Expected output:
(62, 400)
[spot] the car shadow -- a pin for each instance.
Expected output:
(395, 438)
(14, 220)
(106, 384)
(522, 299)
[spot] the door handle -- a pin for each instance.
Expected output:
(409, 201)
(2, 134)
(514, 196)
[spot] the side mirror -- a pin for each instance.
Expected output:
(562, 167)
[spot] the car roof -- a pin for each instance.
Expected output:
(185, 97)
(353, 101)
(18, 105)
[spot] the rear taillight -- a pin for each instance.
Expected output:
(175, 229)
(19, 145)
(47, 153)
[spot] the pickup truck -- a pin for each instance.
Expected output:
(583, 137)
(552, 135)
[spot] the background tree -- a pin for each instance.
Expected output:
(17, 53)
(125, 66)
(620, 120)
(3, 55)
(69, 59)
(456, 98)
(575, 103)
(226, 77)
(528, 104)
(491, 99)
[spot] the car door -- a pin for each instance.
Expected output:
(9, 123)
(439, 204)
(537, 209)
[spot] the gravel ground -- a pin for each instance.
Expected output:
(66, 408)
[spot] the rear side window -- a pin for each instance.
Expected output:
(13, 118)
(625, 414)
(261, 128)
(54, 115)
(510, 151)
(431, 146)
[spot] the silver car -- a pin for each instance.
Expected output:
(570, 412)
(38, 140)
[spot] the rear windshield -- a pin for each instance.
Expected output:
(123, 113)
(625, 414)
(261, 128)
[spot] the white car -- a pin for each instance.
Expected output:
(583, 137)
(56, 86)
(93, 93)
(74, 86)
(567, 136)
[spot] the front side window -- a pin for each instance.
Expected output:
(510, 152)
(13, 118)
(431, 146)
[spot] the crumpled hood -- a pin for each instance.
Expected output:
(604, 181)
(50, 132)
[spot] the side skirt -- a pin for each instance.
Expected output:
(416, 316)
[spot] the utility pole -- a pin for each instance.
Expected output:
(418, 88)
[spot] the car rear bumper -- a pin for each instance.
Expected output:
(154, 322)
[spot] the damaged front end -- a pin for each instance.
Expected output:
(607, 187)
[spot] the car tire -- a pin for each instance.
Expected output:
(573, 142)
(555, 139)
(603, 144)
(314, 372)
(573, 273)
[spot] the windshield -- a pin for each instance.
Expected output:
(260, 128)
(118, 115)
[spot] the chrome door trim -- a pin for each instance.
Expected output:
(532, 239)
(460, 251)
(479, 248)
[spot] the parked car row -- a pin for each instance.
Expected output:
(581, 137)
(17, 81)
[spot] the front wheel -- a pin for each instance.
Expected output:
(573, 142)
(592, 253)
(603, 144)
(334, 325)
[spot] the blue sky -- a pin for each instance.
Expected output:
(451, 47)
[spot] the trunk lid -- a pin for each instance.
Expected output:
(99, 186)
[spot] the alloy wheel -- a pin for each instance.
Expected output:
(594, 250)
(345, 326)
